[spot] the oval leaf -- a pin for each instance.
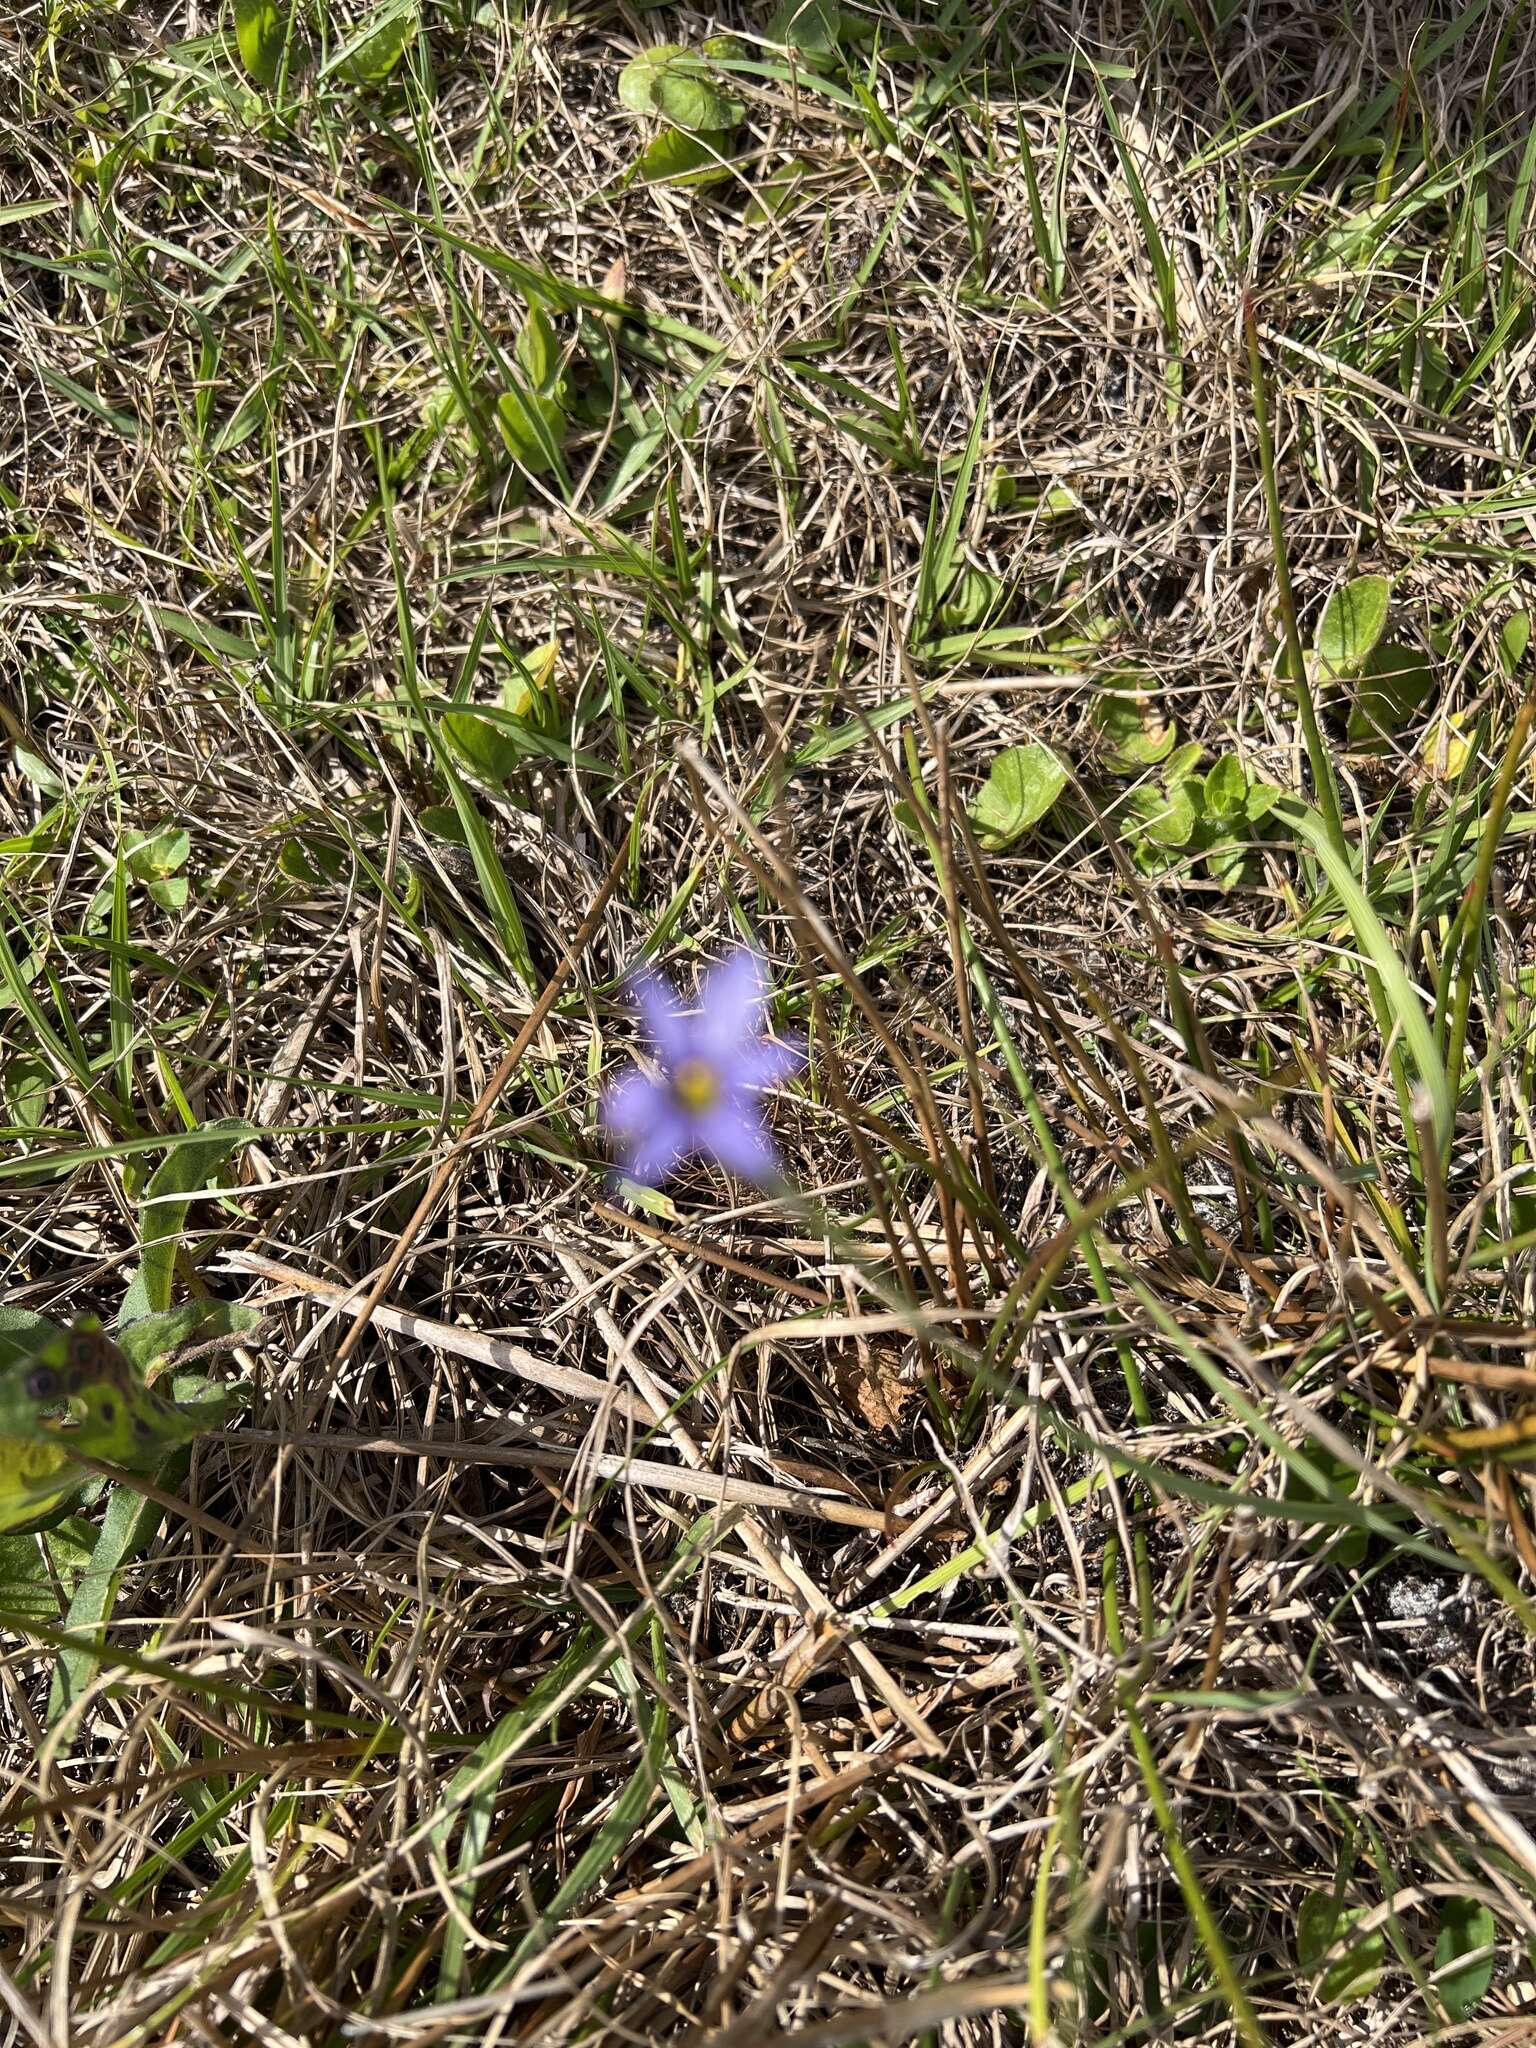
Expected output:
(487, 749)
(186, 1170)
(674, 157)
(638, 79)
(259, 36)
(533, 427)
(1166, 816)
(1226, 788)
(1353, 620)
(1023, 785)
(1465, 1927)
(1446, 747)
(1321, 1922)
(973, 594)
(1515, 638)
(812, 28)
(151, 1339)
(1395, 682)
(385, 37)
(673, 81)
(1136, 733)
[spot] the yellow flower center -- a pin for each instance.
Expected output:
(696, 1086)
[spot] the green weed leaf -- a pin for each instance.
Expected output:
(1166, 816)
(150, 856)
(1515, 638)
(488, 750)
(1395, 682)
(259, 37)
(676, 157)
(127, 1527)
(1466, 1925)
(1022, 787)
(386, 35)
(781, 193)
(1400, 998)
(1226, 788)
(1136, 734)
(675, 83)
(1321, 1922)
(443, 822)
(186, 1170)
(532, 426)
(25, 1086)
(1354, 619)
(26, 1581)
(535, 349)
(970, 598)
(37, 771)
(811, 28)
(150, 1339)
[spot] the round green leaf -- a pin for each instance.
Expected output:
(310, 861)
(1166, 816)
(638, 80)
(687, 96)
(1023, 785)
(811, 28)
(1353, 620)
(675, 82)
(150, 855)
(1394, 683)
(1466, 1925)
(32, 1568)
(25, 1086)
(443, 822)
(485, 748)
(1136, 734)
(786, 189)
(1226, 787)
(385, 37)
(973, 594)
(1259, 800)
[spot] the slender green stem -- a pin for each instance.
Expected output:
(1244, 2018)
(1477, 894)
(1295, 659)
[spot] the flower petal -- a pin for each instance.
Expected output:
(734, 1135)
(732, 1000)
(661, 1013)
(650, 1131)
(633, 1102)
(764, 1063)
(653, 1153)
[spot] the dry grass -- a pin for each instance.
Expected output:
(987, 1598)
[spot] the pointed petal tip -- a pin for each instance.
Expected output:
(660, 1011)
(733, 1135)
(733, 998)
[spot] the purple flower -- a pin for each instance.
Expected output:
(715, 1064)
